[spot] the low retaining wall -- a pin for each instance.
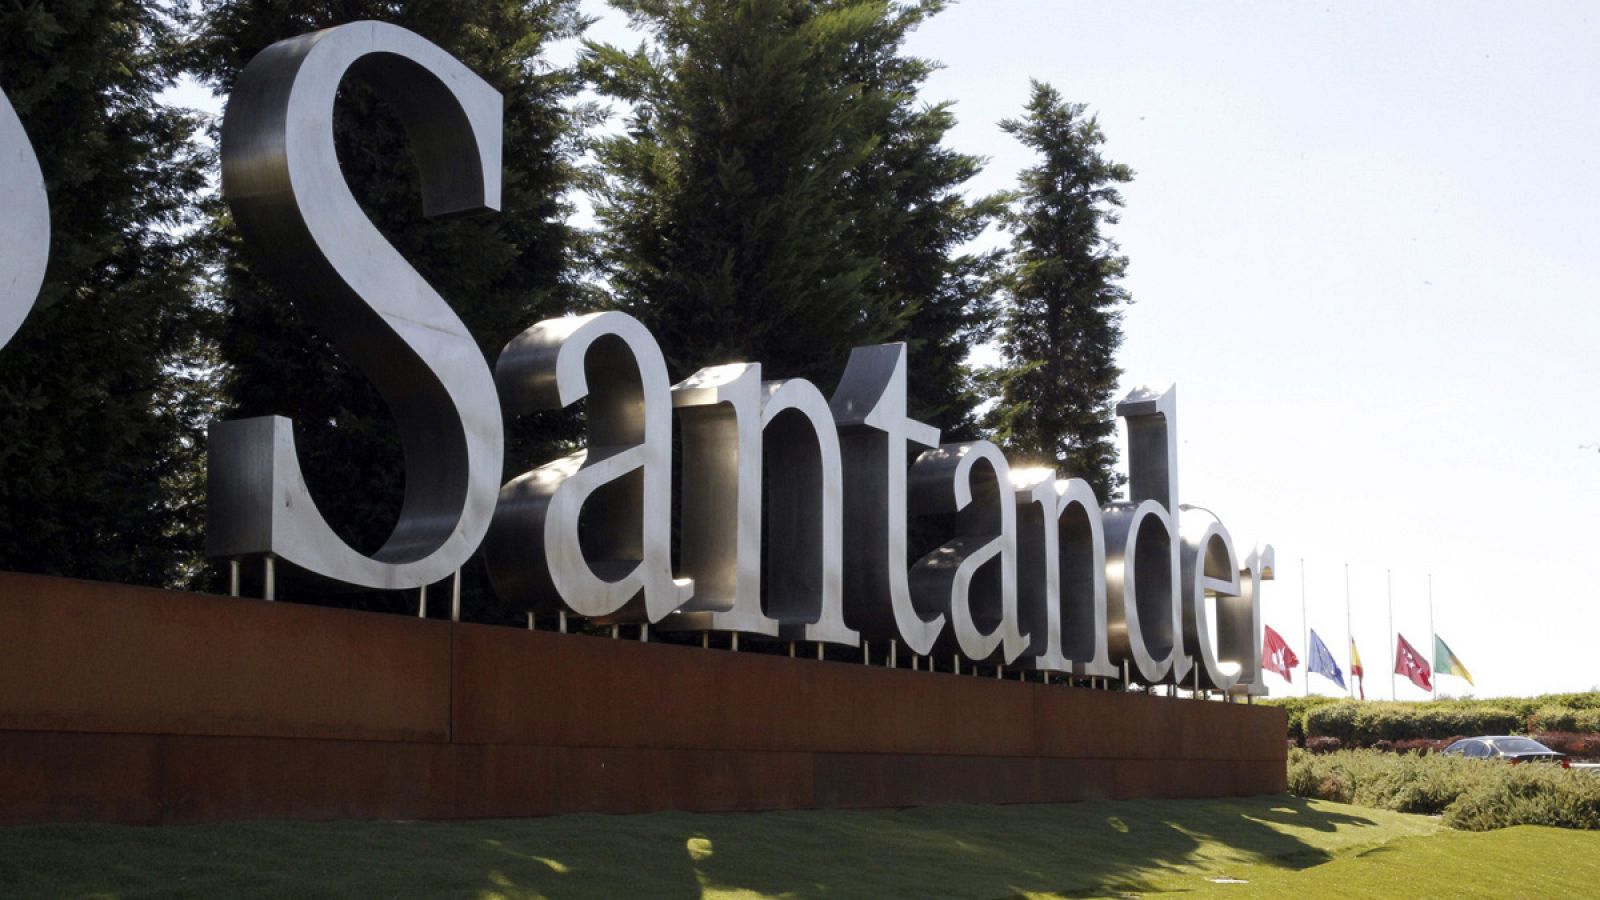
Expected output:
(122, 704)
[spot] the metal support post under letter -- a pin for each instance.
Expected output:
(269, 588)
(233, 577)
(455, 596)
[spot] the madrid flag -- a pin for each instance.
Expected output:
(1411, 664)
(1276, 655)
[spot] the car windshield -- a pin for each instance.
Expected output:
(1520, 745)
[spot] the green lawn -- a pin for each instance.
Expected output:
(1279, 846)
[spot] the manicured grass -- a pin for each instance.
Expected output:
(1278, 845)
(1524, 861)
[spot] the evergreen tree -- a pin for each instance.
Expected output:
(101, 398)
(779, 195)
(1062, 282)
(501, 272)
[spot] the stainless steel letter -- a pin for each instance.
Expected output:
(719, 419)
(24, 224)
(734, 428)
(973, 576)
(281, 177)
(805, 514)
(1210, 568)
(1061, 574)
(875, 435)
(616, 564)
(1239, 621)
(1144, 590)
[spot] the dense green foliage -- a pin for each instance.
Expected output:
(1471, 794)
(500, 272)
(1295, 708)
(100, 399)
(1062, 282)
(1356, 724)
(779, 196)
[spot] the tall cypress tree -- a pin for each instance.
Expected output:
(1062, 284)
(779, 195)
(100, 397)
(500, 272)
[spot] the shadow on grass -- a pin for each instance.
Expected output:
(1085, 849)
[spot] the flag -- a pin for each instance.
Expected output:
(1408, 662)
(1276, 655)
(1445, 662)
(1322, 662)
(1356, 670)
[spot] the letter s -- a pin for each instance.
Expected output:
(281, 178)
(24, 224)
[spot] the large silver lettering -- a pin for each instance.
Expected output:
(1239, 621)
(1210, 571)
(593, 529)
(973, 576)
(719, 418)
(1061, 574)
(734, 428)
(805, 514)
(1143, 585)
(281, 178)
(875, 437)
(24, 224)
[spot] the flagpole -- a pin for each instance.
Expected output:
(1349, 635)
(1305, 625)
(1432, 639)
(1388, 579)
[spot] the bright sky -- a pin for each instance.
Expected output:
(1363, 240)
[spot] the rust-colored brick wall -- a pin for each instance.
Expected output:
(124, 704)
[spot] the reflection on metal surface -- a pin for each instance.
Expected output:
(805, 514)
(282, 180)
(1142, 568)
(1239, 620)
(794, 506)
(734, 429)
(24, 224)
(591, 530)
(719, 420)
(1061, 575)
(875, 439)
(972, 577)
(1210, 570)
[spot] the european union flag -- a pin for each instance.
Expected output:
(1322, 662)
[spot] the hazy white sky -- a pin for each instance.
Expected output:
(1364, 244)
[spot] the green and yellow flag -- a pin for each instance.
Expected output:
(1445, 661)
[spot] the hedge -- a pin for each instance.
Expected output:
(1471, 794)
(1364, 724)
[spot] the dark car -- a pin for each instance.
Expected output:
(1513, 749)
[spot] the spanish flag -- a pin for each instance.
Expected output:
(1445, 662)
(1355, 669)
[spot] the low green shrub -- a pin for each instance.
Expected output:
(1470, 794)
(1562, 718)
(1360, 724)
(1295, 708)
